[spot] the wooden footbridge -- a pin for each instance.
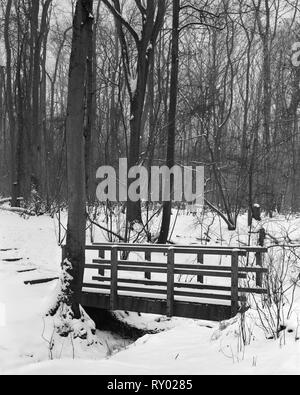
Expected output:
(117, 280)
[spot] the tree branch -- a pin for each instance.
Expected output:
(202, 12)
(159, 19)
(105, 230)
(140, 7)
(123, 21)
(229, 223)
(201, 24)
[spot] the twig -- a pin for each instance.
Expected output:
(106, 230)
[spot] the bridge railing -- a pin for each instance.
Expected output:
(148, 250)
(171, 289)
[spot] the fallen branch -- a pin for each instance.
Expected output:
(18, 210)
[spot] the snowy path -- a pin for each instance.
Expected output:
(34, 240)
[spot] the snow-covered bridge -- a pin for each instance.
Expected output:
(163, 280)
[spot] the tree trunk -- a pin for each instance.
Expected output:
(10, 109)
(35, 113)
(167, 211)
(153, 17)
(91, 115)
(75, 248)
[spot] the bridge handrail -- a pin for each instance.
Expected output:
(164, 247)
(200, 251)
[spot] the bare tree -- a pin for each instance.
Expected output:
(152, 15)
(167, 211)
(11, 108)
(75, 246)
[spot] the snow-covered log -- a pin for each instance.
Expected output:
(8, 200)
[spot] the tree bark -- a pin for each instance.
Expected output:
(167, 210)
(10, 109)
(75, 247)
(90, 114)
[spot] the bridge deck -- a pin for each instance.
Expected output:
(151, 305)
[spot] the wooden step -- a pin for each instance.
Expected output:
(40, 281)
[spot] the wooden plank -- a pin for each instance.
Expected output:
(164, 249)
(158, 291)
(222, 268)
(227, 252)
(114, 279)
(128, 248)
(170, 283)
(196, 286)
(41, 281)
(96, 286)
(257, 291)
(124, 268)
(207, 296)
(133, 263)
(102, 261)
(11, 260)
(208, 273)
(156, 247)
(234, 284)
(148, 290)
(185, 266)
(191, 272)
(192, 286)
(253, 270)
(26, 270)
(162, 292)
(245, 248)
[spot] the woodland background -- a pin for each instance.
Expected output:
(238, 98)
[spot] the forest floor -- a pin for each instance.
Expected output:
(29, 250)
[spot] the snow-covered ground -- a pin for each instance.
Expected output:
(184, 347)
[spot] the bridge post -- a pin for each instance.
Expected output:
(259, 276)
(101, 254)
(114, 279)
(148, 259)
(200, 260)
(234, 283)
(170, 282)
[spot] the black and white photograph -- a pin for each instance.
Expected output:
(149, 190)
